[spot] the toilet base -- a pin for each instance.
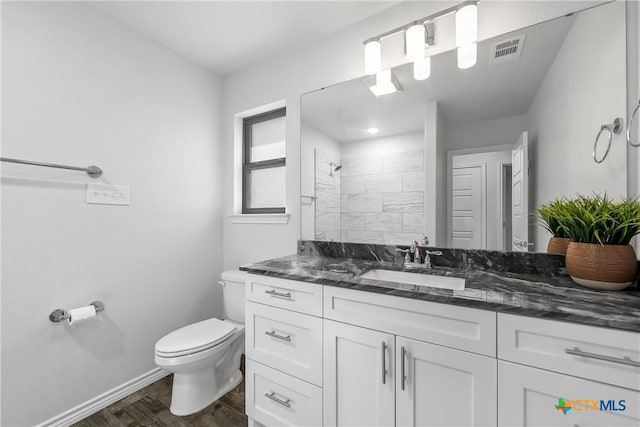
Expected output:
(192, 392)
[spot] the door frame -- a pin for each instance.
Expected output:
(502, 217)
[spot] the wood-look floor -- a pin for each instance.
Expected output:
(150, 407)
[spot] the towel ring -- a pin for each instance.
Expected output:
(633, 116)
(611, 128)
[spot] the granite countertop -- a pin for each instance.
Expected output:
(546, 296)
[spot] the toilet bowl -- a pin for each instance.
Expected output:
(204, 357)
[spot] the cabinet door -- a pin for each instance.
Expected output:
(358, 376)
(531, 397)
(443, 386)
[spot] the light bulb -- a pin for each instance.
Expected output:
(372, 57)
(383, 85)
(383, 77)
(414, 39)
(373, 130)
(422, 68)
(467, 25)
(467, 56)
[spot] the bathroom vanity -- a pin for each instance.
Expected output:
(325, 346)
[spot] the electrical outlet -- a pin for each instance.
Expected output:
(103, 194)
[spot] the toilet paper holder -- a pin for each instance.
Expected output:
(61, 315)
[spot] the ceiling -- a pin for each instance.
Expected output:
(345, 111)
(226, 36)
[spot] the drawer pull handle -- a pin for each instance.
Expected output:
(276, 335)
(625, 360)
(275, 293)
(273, 397)
(403, 377)
(384, 362)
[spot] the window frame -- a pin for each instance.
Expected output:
(248, 166)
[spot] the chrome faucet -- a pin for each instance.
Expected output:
(417, 262)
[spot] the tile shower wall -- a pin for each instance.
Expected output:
(327, 213)
(382, 197)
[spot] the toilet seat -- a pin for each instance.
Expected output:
(194, 338)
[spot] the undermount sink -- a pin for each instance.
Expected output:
(419, 279)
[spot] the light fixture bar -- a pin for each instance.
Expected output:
(420, 21)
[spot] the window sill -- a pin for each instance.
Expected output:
(259, 218)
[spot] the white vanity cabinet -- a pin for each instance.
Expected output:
(529, 396)
(324, 355)
(380, 378)
(283, 348)
(359, 378)
(545, 360)
(373, 378)
(443, 386)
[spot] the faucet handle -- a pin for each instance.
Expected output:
(406, 252)
(434, 253)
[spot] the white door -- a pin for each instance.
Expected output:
(468, 207)
(520, 194)
(535, 397)
(443, 386)
(358, 376)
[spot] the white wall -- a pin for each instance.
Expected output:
(579, 93)
(79, 88)
(329, 61)
(503, 130)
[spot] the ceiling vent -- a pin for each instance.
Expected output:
(507, 50)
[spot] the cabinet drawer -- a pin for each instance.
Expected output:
(548, 344)
(277, 399)
(458, 327)
(285, 340)
(293, 295)
(530, 397)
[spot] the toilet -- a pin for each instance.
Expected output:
(204, 357)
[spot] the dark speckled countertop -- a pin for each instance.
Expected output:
(552, 296)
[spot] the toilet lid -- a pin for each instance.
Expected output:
(193, 338)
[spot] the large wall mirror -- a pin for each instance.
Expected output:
(465, 156)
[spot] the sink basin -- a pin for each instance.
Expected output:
(419, 279)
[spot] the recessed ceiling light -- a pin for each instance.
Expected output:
(373, 130)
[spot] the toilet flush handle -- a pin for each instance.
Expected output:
(222, 283)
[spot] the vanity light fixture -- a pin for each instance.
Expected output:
(467, 35)
(467, 25)
(372, 56)
(414, 42)
(385, 83)
(420, 33)
(422, 68)
(467, 56)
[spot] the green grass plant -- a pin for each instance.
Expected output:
(592, 219)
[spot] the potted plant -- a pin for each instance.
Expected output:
(549, 217)
(599, 255)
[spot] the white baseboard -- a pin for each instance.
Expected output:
(94, 405)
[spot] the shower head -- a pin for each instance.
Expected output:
(333, 168)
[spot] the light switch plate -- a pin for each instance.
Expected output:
(103, 194)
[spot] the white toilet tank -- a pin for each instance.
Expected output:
(233, 293)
